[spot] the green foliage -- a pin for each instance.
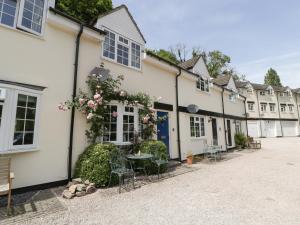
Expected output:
(272, 78)
(155, 148)
(94, 105)
(83, 10)
(93, 163)
(240, 140)
(167, 55)
(216, 62)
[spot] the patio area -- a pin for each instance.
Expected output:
(248, 187)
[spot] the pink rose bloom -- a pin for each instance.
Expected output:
(97, 96)
(81, 101)
(146, 119)
(99, 101)
(115, 114)
(62, 107)
(89, 116)
(91, 104)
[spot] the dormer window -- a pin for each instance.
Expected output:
(270, 92)
(26, 15)
(122, 50)
(249, 91)
(203, 85)
(262, 93)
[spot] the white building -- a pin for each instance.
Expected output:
(42, 69)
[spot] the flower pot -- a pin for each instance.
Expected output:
(189, 160)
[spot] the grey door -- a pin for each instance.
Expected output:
(214, 131)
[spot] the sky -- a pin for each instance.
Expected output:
(256, 34)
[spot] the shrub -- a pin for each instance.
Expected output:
(240, 140)
(93, 163)
(153, 147)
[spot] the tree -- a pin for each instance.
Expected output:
(217, 63)
(83, 10)
(166, 55)
(272, 78)
(180, 51)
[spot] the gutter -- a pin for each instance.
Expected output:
(70, 153)
(246, 117)
(225, 130)
(177, 115)
(279, 114)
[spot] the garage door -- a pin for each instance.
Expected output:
(269, 128)
(289, 128)
(253, 129)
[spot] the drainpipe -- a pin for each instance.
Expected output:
(177, 115)
(279, 114)
(246, 117)
(223, 108)
(70, 153)
(259, 115)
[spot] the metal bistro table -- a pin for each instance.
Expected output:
(136, 158)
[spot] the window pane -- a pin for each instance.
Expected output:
(28, 139)
(135, 55)
(110, 124)
(109, 45)
(33, 15)
(1, 109)
(8, 12)
(25, 120)
(122, 54)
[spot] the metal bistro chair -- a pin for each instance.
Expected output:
(6, 177)
(160, 159)
(121, 167)
(213, 152)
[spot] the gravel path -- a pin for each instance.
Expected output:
(254, 188)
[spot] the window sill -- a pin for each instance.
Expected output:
(40, 37)
(128, 67)
(11, 152)
(204, 92)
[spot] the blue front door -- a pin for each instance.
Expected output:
(163, 128)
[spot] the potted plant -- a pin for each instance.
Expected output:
(189, 158)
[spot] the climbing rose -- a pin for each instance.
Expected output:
(146, 119)
(89, 116)
(122, 93)
(81, 101)
(91, 104)
(62, 107)
(97, 96)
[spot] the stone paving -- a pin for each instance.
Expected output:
(246, 188)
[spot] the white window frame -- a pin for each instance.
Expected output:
(232, 97)
(121, 112)
(125, 46)
(117, 35)
(19, 15)
(200, 120)
(203, 82)
(140, 55)
(252, 106)
(9, 119)
(283, 108)
(263, 107)
(272, 106)
(262, 93)
(291, 108)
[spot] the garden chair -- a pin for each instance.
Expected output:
(121, 167)
(6, 177)
(160, 159)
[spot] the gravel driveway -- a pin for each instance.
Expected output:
(253, 188)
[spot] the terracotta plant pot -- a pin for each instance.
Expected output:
(189, 160)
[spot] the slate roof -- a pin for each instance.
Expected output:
(131, 17)
(262, 87)
(189, 64)
(222, 80)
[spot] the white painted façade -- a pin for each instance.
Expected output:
(38, 72)
(272, 111)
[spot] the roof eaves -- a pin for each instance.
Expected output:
(130, 15)
(55, 11)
